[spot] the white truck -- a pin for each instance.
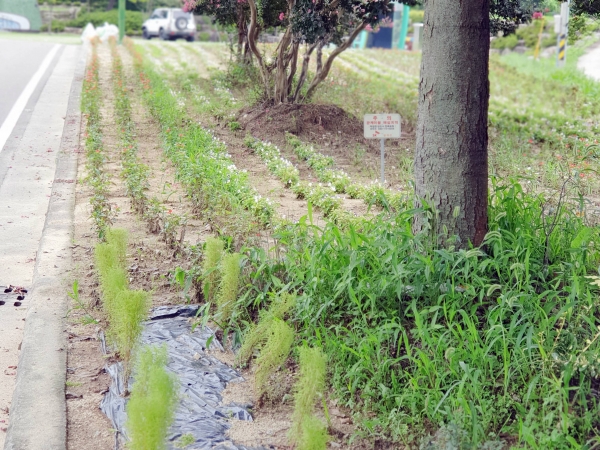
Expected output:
(170, 24)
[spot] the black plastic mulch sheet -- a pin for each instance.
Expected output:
(202, 378)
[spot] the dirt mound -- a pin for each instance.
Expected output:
(310, 122)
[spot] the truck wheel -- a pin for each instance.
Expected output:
(181, 23)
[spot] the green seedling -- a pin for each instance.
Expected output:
(309, 389)
(210, 267)
(279, 309)
(229, 286)
(274, 352)
(130, 309)
(151, 407)
(88, 318)
(185, 441)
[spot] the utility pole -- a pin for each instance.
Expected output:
(121, 20)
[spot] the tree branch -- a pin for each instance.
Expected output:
(302, 78)
(252, 37)
(322, 74)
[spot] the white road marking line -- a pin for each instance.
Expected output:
(19, 106)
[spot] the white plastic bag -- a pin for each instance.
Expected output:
(107, 30)
(89, 33)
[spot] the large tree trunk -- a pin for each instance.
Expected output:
(451, 164)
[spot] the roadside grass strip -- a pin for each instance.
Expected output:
(489, 346)
(203, 166)
(97, 179)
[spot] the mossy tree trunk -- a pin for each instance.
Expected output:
(451, 162)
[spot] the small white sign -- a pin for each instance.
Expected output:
(382, 126)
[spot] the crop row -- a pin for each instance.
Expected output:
(373, 193)
(203, 166)
(97, 179)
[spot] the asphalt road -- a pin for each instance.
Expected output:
(20, 61)
(36, 80)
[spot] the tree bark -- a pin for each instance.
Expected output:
(304, 72)
(451, 160)
(253, 32)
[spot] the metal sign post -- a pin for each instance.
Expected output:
(382, 126)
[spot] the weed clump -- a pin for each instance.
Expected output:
(210, 267)
(279, 309)
(228, 288)
(151, 408)
(273, 354)
(308, 432)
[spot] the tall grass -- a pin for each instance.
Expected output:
(151, 407)
(501, 339)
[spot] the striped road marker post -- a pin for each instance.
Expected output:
(562, 50)
(561, 28)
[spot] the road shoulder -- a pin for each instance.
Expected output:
(38, 410)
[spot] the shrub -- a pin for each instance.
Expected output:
(133, 20)
(228, 288)
(151, 408)
(503, 42)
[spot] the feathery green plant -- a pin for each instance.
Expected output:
(274, 353)
(125, 309)
(130, 309)
(308, 431)
(228, 288)
(118, 238)
(210, 266)
(151, 408)
(113, 278)
(279, 308)
(313, 434)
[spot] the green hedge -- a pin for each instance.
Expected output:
(133, 20)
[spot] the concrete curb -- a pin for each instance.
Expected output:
(38, 417)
